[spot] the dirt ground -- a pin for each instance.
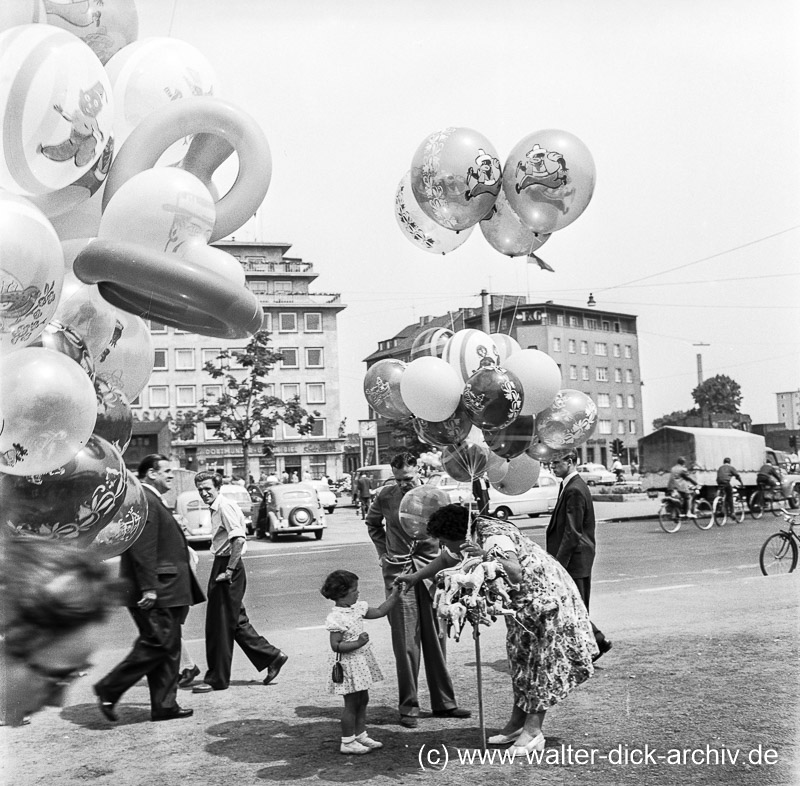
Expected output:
(724, 678)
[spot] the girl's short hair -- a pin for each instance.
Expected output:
(338, 584)
(449, 522)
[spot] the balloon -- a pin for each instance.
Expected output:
(430, 342)
(63, 339)
(21, 12)
(152, 73)
(213, 259)
(31, 271)
(506, 345)
(523, 472)
(57, 110)
(496, 469)
(449, 431)
(569, 421)
(430, 388)
(73, 502)
(422, 231)
(549, 179)
(162, 208)
(466, 461)
(127, 362)
(505, 233)
(417, 506)
(513, 440)
(126, 525)
(456, 177)
(114, 420)
(466, 349)
(47, 411)
(540, 377)
(492, 396)
(539, 451)
(382, 388)
(89, 315)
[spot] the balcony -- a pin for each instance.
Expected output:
(280, 268)
(299, 298)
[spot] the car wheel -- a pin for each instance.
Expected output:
(300, 517)
(591, 482)
(318, 534)
(502, 513)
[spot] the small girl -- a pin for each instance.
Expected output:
(360, 666)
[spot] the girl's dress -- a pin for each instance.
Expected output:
(360, 666)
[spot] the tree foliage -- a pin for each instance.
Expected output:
(718, 394)
(677, 418)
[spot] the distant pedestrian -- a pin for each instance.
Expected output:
(295, 478)
(364, 489)
(351, 646)
(284, 477)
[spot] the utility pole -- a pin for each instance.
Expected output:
(700, 362)
(485, 312)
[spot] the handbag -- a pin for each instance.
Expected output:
(337, 673)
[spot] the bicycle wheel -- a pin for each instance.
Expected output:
(705, 519)
(668, 518)
(775, 508)
(778, 554)
(719, 512)
(756, 504)
(738, 509)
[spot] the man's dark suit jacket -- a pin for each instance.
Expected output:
(570, 534)
(159, 560)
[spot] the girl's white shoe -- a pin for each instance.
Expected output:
(536, 744)
(354, 747)
(368, 741)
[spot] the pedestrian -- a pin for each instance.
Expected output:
(549, 638)
(295, 478)
(284, 477)
(226, 617)
(570, 533)
(351, 647)
(364, 493)
(413, 621)
(161, 587)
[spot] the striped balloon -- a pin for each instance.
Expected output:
(57, 109)
(466, 349)
(430, 342)
(505, 345)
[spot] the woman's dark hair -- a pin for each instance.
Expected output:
(449, 523)
(338, 584)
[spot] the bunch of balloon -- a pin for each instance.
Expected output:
(568, 422)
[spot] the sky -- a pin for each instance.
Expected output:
(691, 110)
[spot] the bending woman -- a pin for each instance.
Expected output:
(549, 640)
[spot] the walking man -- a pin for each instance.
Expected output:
(364, 493)
(161, 586)
(570, 533)
(226, 618)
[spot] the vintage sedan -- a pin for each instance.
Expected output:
(596, 475)
(327, 497)
(195, 517)
(293, 509)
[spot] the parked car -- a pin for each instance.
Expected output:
(194, 515)
(327, 498)
(293, 509)
(378, 474)
(596, 475)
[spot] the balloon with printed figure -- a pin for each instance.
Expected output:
(512, 440)
(420, 230)
(522, 474)
(430, 342)
(57, 111)
(125, 526)
(493, 396)
(568, 422)
(114, 420)
(505, 232)
(127, 362)
(456, 177)
(47, 411)
(430, 388)
(449, 431)
(417, 506)
(31, 272)
(71, 503)
(539, 375)
(466, 461)
(64, 339)
(21, 12)
(506, 346)
(466, 349)
(86, 312)
(549, 179)
(382, 388)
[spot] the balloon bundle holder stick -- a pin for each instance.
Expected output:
(476, 635)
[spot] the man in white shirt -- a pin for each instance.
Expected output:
(226, 618)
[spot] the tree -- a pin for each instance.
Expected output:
(718, 394)
(245, 412)
(677, 418)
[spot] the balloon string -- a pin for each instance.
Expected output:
(172, 19)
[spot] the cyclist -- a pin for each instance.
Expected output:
(724, 475)
(768, 478)
(681, 481)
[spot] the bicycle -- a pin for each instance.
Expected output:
(719, 508)
(779, 552)
(764, 499)
(670, 514)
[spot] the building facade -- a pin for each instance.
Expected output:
(789, 408)
(303, 329)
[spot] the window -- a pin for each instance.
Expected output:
(258, 287)
(584, 347)
(617, 375)
(211, 393)
(289, 391)
(287, 322)
(159, 396)
(627, 351)
(556, 345)
(606, 325)
(620, 401)
(591, 324)
(210, 427)
(571, 346)
(616, 350)
(267, 323)
(313, 322)
(620, 427)
(184, 359)
(560, 320)
(156, 327)
(585, 372)
(211, 356)
(601, 374)
(628, 375)
(314, 357)
(315, 393)
(603, 400)
(617, 327)
(631, 427)
(282, 286)
(289, 357)
(604, 426)
(631, 402)
(160, 360)
(573, 372)
(600, 348)
(185, 396)
(573, 321)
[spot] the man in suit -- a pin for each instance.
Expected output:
(570, 533)
(160, 588)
